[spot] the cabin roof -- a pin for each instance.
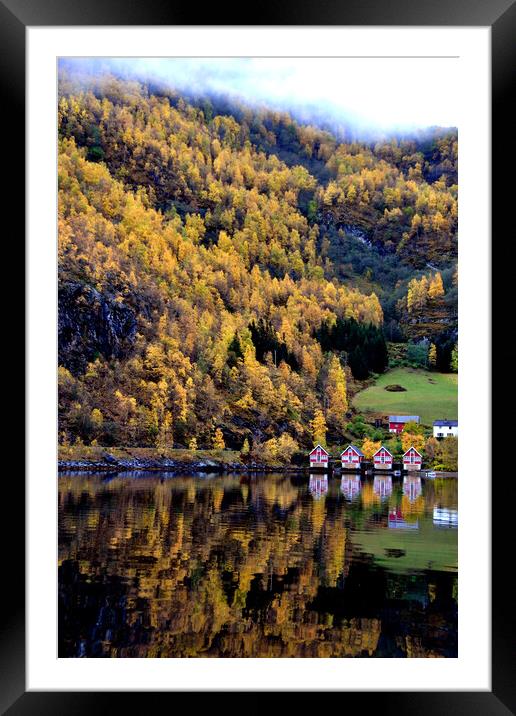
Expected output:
(318, 446)
(404, 418)
(412, 448)
(446, 423)
(355, 448)
(382, 447)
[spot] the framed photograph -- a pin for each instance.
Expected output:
(259, 306)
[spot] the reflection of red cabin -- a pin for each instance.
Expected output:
(350, 486)
(395, 514)
(351, 457)
(412, 487)
(412, 459)
(396, 521)
(382, 459)
(319, 457)
(382, 486)
(318, 485)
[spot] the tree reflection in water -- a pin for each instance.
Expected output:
(247, 566)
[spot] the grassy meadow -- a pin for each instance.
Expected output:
(427, 394)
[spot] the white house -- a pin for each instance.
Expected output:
(446, 428)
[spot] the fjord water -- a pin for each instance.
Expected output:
(157, 565)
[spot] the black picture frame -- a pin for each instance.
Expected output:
(500, 16)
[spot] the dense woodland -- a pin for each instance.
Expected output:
(227, 274)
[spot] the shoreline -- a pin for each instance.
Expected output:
(170, 466)
(110, 463)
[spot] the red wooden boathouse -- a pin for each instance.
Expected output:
(382, 459)
(412, 459)
(319, 457)
(351, 457)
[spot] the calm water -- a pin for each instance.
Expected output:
(152, 565)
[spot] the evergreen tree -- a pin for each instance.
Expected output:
(234, 351)
(358, 364)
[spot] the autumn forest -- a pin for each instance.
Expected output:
(228, 275)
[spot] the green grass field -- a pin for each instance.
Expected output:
(429, 395)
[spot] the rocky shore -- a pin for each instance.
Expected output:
(110, 462)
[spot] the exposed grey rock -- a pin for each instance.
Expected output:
(91, 323)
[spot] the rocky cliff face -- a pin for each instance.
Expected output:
(92, 324)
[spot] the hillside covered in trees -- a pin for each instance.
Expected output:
(227, 274)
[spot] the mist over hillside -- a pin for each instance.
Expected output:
(351, 102)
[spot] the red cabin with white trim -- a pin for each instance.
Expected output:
(398, 422)
(412, 459)
(351, 457)
(319, 457)
(382, 459)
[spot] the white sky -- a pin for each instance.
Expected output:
(371, 93)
